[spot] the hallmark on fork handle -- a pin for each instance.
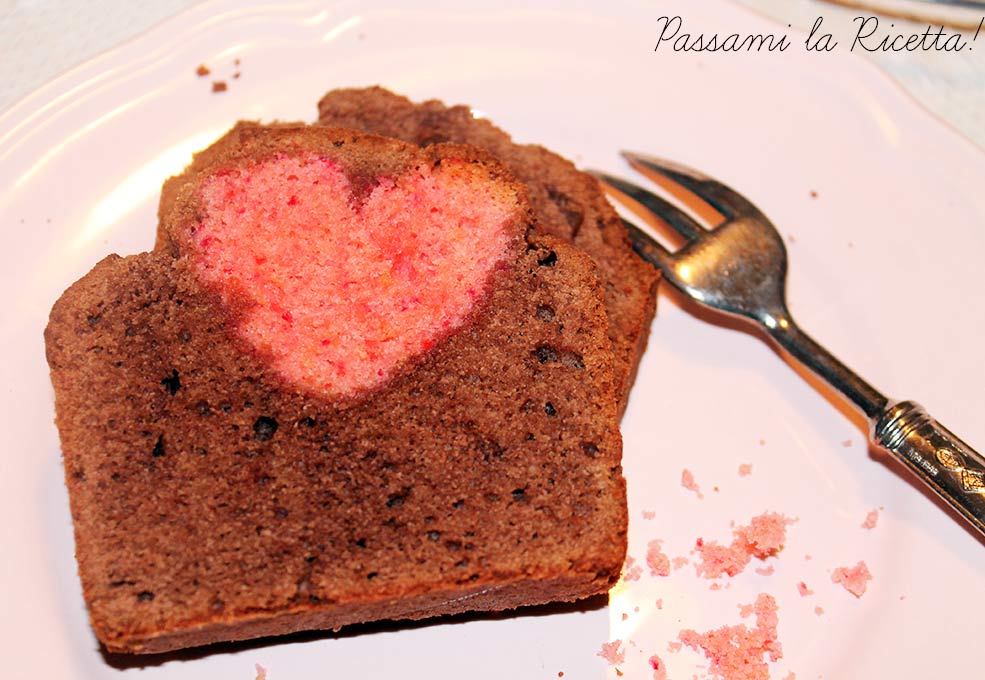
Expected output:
(906, 429)
(972, 481)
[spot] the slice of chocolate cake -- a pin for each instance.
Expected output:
(353, 383)
(569, 204)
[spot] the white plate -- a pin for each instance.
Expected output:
(884, 269)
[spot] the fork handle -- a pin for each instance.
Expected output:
(934, 454)
(954, 470)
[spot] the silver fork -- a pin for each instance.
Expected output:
(738, 265)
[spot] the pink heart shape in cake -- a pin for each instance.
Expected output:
(337, 293)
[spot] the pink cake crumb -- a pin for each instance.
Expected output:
(612, 653)
(745, 469)
(871, 519)
(717, 559)
(679, 562)
(261, 672)
(649, 514)
(659, 669)
(658, 562)
(673, 646)
(715, 586)
(739, 652)
(660, 603)
(765, 535)
(687, 481)
(766, 571)
(340, 293)
(762, 538)
(853, 579)
(819, 610)
(631, 571)
(804, 590)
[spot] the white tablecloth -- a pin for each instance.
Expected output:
(40, 39)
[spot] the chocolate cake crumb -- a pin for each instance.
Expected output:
(219, 86)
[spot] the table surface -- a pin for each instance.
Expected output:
(40, 39)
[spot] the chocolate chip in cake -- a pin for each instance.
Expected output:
(264, 428)
(172, 382)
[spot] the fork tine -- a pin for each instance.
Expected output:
(676, 219)
(648, 248)
(726, 200)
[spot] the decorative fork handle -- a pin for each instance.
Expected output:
(950, 467)
(942, 461)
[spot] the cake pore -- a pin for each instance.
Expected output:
(340, 283)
